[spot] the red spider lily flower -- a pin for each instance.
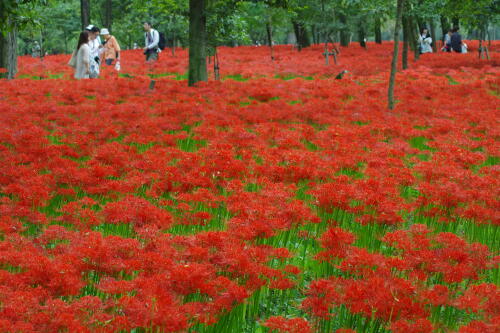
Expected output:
(417, 326)
(337, 241)
(286, 325)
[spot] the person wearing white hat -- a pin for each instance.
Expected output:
(96, 50)
(111, 48)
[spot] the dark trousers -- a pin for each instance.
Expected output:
(151, 55)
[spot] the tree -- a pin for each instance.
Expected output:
(108, 14)
(8, 52)
(85, 12)
(378, 30)
(395, 54)
(14, 14)
(197, 42)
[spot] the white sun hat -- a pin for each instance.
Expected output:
(89, 27)
(104, 31)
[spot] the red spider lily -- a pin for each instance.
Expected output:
(137, 211)
(79, 160)
(285, 325)
(417, 326)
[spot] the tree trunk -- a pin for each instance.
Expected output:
(394, 64)
(344, 32)
(301, 35)
(269, 32)
(432, 27)
(8, 53)
(42, 43)
(85, 13)
(413, 32)
(445, 26)
(362, 35)
(456, 22)
(378, 31)
(197, 42)
(314, 33)
(406, 42)
(108, 14)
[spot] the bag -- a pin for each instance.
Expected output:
(94, 69)
(72, 61)
(163, 41)
(117, 66)
(464, 48)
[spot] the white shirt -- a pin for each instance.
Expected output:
(425, 44)
(94, 47)
(82, 62)
(155, 39)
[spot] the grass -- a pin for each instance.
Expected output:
(287, 77)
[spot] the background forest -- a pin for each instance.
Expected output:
(55, 23)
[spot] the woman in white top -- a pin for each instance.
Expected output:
(425, 41)
(82, 69)
(96, 49)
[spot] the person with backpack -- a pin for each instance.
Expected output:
(425, 41)
(151, 41)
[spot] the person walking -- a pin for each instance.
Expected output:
(456, 40)
(447, 41)
(36, 50)
(82, 68)
(425, 41)
(111, 48)
(96, 50)
(151, 41)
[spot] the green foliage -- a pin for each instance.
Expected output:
(18, 13)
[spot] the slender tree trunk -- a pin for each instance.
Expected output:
(197, 42)
(394, 64)
(445, 26)
(42, 43)
(362, 35)
(8, 52)
(173, 35)
(301, 35)
(344, 32)
(85, 13)
(455, 21)
(413, 32)
(406, 37)
(269, 31)
(432, 27)
(378, 31)
(108, 14)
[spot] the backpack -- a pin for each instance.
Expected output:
(163, 41)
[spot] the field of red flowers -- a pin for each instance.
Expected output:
(278, 199)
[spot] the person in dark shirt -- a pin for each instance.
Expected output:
(456, 40)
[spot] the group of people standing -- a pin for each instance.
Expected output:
(452, 42)
(91, 52)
